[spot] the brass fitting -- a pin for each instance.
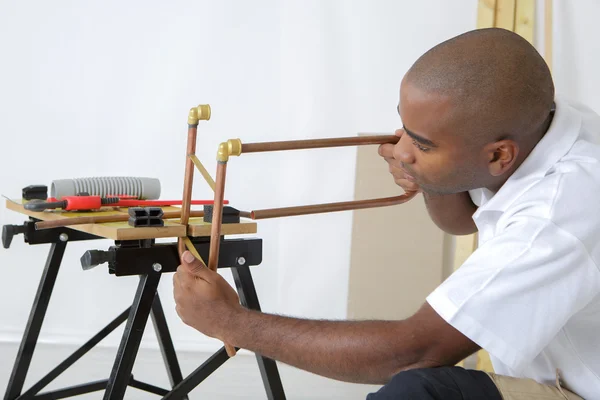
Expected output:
(202, 112)
(223, 152)
(232, 147)
(193, 116)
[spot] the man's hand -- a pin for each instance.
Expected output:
(387, 152)
(204, 300)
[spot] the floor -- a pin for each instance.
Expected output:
(238, 378)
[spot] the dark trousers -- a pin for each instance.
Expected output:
(442, 383)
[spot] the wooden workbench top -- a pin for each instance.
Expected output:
(122, 231)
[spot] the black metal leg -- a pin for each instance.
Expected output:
(42, 383)
(132, 336)
(36, 318)
(72, 391)
(249, 298)
(200, 374)
(166, 343)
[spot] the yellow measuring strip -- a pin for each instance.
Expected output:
(192, 249)
(203, 171)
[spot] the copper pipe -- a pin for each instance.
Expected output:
(318, 143)
(331, 207)
(245, 214)
(215, 228)
(59, 223)
(188, 180)
(217, 218)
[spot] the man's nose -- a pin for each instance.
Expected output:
(404, 151)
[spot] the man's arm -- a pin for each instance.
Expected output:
(452, 213)
(354, 351)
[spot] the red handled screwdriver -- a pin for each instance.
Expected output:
(71, 203)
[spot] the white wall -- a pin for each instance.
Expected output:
(342, 63)
(576, 58)
(103, 88)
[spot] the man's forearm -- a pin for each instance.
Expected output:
(355, 351)
(452, 213)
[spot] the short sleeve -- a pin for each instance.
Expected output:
(518, 289)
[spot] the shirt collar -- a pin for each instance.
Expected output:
(557, 141)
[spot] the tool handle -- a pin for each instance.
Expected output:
(82, 202)
(44, 205)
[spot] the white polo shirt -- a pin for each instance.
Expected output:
(530, 293)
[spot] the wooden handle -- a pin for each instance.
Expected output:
(318, 143)
(331, 207)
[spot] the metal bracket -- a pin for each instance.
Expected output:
(164, 257)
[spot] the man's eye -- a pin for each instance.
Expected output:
(418, 146)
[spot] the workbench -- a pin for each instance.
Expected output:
(134, 252)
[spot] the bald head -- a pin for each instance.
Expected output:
(497, 83)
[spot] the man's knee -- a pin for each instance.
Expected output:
(411, 384)
(440, 383)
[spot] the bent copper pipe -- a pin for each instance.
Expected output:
(217, 219)
(189, 173)
(215, 226)
(331, 207)
(235, 147)
(318, 143)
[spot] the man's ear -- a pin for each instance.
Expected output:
(501, 156)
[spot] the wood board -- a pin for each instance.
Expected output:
(122, 230)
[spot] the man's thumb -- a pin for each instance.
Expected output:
(193, 265)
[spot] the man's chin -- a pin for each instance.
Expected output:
(437, 191)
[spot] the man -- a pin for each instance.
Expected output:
(492, 151)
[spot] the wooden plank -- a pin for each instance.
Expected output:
(465, 246)
(486, 13)
(525, 19)
(505, 14)
(122, 230)
(548, 33)
(517, 16)
(110, 230)
(197, 227)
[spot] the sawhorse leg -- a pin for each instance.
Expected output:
(166, 343)
(268, 368)
(132, 336)
(36, 318)
(146, 303)
(249, 298)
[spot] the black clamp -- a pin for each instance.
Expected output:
(9, 231)
(146, 217)
(35, 192)
(93, 258)
(230, 215)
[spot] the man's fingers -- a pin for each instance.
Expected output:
(407, 185)
(396, 172)
(386, 150)
(195, 266)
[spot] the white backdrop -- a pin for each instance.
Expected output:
(103, 88)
